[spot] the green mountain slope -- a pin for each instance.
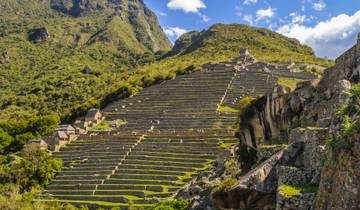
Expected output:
(223, 42)
(64, 56)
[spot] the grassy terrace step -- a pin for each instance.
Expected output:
(174, 144)
(185, 138)
(74, 182)
(107, 148)
(112, 198)
(169, 117)
(70, 188)
(177, 151)
(137, 193)
(170, 173)
(90, 158)
(93, 169)
(94, 162)
(109, 168)
(172, 155)
(184, 141)
(160, 146)
(146, 107)
(148, 177)
(151, 167)
(162, 163)
(140, 194)
(152, 188)
(84, 173)
(161, 104)
(192, 135)
(104, 136)
(177, 98)
(81, 177)
(145, 182)
(93, 153)
(182, 160)
(90, 204)
(103, 141)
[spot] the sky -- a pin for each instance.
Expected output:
(330, 27)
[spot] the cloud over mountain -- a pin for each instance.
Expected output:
(328, 38)
(186, 5)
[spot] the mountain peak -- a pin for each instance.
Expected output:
(77, 8)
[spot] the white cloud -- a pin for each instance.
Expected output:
(249, 2)
(238, 10)
(162, 14)
(297, 18)
(174, 32)
(319, 6)
(249, 19)
(328, 38)
(186, 5)
(203, 17)
(263, 14)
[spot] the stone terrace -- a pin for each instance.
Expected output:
(173, 131)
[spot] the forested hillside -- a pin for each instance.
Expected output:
(60, 57)
(223, 42)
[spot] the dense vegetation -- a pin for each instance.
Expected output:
(223, 43)
(22, 174)
(349, 118)
(171, 205)
(96, 53)
(87, 55)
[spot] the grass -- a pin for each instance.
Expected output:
(227, 109)
(292, 190)
(289, 82)
(103, 126)
(101, 203)
(246, 101)
(226, 184)
(272, 146)
(311, 128)
(224, 145)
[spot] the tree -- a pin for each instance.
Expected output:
(33, 167)
(46, 124)
(5, 139)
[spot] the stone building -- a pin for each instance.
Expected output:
(42, 143)
(93, 118)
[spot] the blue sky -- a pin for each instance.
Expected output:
(328, 26)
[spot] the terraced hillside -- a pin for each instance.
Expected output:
(167, 135)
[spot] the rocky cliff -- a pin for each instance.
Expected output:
(319, 121)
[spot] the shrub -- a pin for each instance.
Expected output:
(30, 168)
(247, 157)
(226, 184)
(5, 140)
(178, 204)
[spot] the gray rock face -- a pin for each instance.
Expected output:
(38, 35)
(77, 8)
(257, 187)
(303, 202)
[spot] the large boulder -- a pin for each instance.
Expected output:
(258, 187)
(38, 35)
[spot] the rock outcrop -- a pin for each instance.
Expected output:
(257, 186)
(322, 175)
(38, 35)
